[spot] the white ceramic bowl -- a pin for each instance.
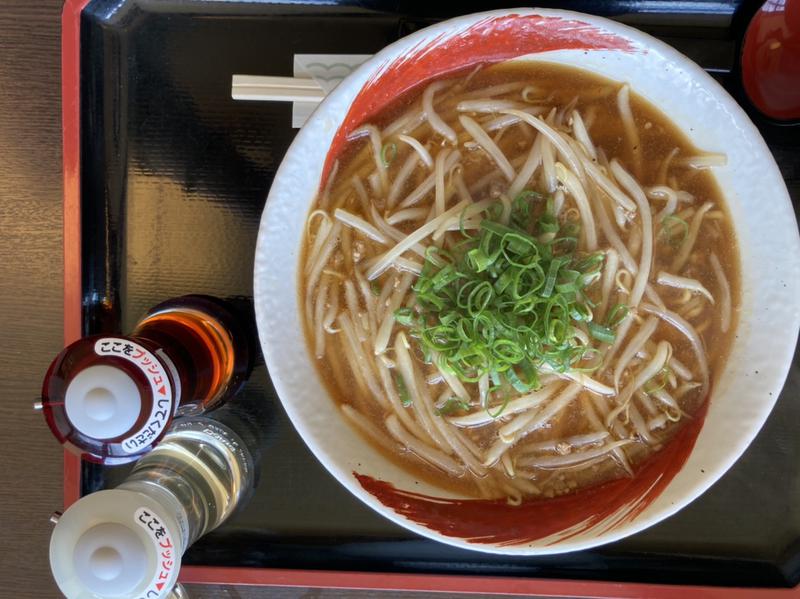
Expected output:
(742, 397)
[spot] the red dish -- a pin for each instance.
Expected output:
(771, 59)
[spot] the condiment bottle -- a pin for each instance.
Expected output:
(111, 398)
(128, 541)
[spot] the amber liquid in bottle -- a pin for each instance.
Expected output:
(209, 345)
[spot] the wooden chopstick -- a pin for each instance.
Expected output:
(275, 89)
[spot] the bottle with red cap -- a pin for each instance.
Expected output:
(111, 398)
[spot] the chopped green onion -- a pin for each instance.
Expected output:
(601, 333)
(516, 382)
(375, 288)
(548, 224)
(494, 376)
(659, 381)
(616, 315)
(581, 313)
(526, 196)
(479, 259)
(402, 391)
(521, 207)
(388, 153)
(571, 230)
(501, 409)
(503, 302)
(550, 281)
(592, 263)
(671, 223)
(452, 406)
(404, 316)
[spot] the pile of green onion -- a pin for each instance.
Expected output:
(507, 300)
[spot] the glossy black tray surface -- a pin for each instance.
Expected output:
(174, 178)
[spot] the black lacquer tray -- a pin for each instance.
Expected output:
(173, 178)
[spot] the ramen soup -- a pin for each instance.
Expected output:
(521, 281)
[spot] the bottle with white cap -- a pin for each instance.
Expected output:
(112, 398)
(128, 541)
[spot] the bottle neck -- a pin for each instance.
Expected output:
(170, 497)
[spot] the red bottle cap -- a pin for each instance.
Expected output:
(110, 398)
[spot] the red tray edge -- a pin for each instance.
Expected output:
(492, 585)
(70, 110)
(70, 118)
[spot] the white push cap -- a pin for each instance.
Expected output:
(110, 560)
(102, 547)
(102, 402)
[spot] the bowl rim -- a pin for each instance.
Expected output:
(271, 347)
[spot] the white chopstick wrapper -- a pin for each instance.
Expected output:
(315, 76)
(327, 70)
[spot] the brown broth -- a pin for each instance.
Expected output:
(556, 86)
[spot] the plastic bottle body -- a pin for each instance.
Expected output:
(204, 465)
